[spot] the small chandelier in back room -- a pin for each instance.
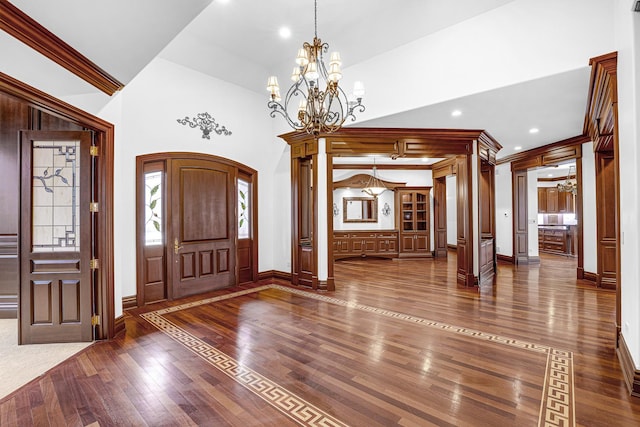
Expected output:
(319, 111)
(569, 185)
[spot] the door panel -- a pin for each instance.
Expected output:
(203, 231)
(55, 245)
(440, 216)
(520, 225)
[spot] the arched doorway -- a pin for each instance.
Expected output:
(196, 225)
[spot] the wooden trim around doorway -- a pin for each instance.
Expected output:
(104, 140)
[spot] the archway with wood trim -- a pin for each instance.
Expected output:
(196, 222)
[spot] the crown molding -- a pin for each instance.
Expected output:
(24, 28)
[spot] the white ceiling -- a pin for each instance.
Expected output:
(237, 40)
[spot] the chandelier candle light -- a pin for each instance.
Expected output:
(319, 111)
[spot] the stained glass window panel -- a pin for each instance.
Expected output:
(153, 231)
(55, 201)
(243, 209)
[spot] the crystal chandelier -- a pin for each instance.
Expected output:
(569, 185)
(319, 111)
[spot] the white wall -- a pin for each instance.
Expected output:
(589, 227)
(145, 115)
(504, 210)
(532, 212)
(520, 41)
(627, 34)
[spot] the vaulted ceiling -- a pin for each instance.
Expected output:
(238, 41)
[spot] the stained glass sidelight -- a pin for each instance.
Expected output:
(55, 202)
(243, 209)
(153, 230)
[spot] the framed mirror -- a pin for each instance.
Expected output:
(359, 209)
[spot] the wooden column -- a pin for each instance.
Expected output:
(304, 267)
(465, 228)
(520, 227)
(487, 220)
(606, 221)
(440, 172)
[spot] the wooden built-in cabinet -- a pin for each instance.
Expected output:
(559, 240)
(348, 244)
(551, 200)
(542, 200)
(413, 219)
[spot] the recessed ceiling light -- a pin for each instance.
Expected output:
(517, 147)
(284, 32)
(534, 130)
(425, 159)
(550, 175)
(456, 113)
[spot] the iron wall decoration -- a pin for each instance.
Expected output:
(206, 123)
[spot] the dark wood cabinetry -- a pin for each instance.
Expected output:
(542, 200)
(566, 202)
(560, 240)
(413, 210)
(348, 244)
(551, 200)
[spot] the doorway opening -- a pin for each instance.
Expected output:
(556, 201)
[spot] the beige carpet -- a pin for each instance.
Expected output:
(21, 364)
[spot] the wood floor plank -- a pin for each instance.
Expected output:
(404, 346)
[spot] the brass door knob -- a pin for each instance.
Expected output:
(176, 246)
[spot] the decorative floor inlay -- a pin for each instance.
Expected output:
(557, 407)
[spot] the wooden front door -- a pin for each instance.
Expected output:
(201, 240)
(55, 301)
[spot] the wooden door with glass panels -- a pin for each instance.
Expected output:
(55, 244)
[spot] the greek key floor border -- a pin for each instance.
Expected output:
(557, 407)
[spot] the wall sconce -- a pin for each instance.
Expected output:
(206, 123)
(386, 210)
(336, 210)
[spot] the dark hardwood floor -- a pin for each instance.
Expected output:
(398, 343)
